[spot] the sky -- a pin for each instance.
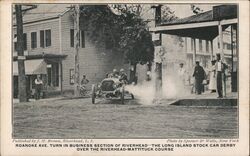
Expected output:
(180, 10)
(184, 10)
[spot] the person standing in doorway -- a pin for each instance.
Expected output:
(199, 75)
(38, 87)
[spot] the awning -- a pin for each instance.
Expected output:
(32, 67)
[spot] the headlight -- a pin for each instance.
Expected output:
(99, 85)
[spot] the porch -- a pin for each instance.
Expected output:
(207, 26)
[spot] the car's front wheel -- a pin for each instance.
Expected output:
(122, 95)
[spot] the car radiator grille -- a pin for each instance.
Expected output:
(107, 86)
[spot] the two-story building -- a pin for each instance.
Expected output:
(49, 49)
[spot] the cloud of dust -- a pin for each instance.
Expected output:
(172, 88)
(144, 92)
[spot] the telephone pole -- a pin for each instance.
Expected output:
(159, 52)
(76, 16)
(20, 57)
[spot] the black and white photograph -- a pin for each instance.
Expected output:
(125, 71)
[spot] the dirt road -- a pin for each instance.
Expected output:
(78, 118)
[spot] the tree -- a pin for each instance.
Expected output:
(119, 28)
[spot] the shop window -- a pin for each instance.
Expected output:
(53, 74)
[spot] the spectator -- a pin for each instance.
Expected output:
(199, 75)
(38, 87)
(84, 80)
(182, 74)
(220, 74)
(148, 76)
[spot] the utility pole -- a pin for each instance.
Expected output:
(20, 58)
(158, 53)
(76, 16)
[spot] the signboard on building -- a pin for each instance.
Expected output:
(160, 54)
(155, 37)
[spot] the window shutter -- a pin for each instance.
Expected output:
(24, 41)
(42, 38)
(83, 39)
(72, 37)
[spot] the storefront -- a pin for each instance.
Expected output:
(50, 69)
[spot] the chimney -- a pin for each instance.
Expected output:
(228, 11)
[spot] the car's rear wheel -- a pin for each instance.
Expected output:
(122, 95)
(93, 94)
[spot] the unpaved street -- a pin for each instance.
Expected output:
(78, 118)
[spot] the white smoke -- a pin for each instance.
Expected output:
(144, 92)
(172, 88)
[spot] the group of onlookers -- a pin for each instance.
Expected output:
(214, 78)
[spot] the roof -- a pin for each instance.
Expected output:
(201, 17)
(32, 67)
(43, 11)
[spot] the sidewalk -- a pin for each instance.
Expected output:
(208, 95)
(207, 99)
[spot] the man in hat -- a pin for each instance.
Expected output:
(220, 74)
(199, 75)
(38, 87)
(123, 76)
(114, 74)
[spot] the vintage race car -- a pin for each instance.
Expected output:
(110, 88)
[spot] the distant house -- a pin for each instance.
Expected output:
(49, 50)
